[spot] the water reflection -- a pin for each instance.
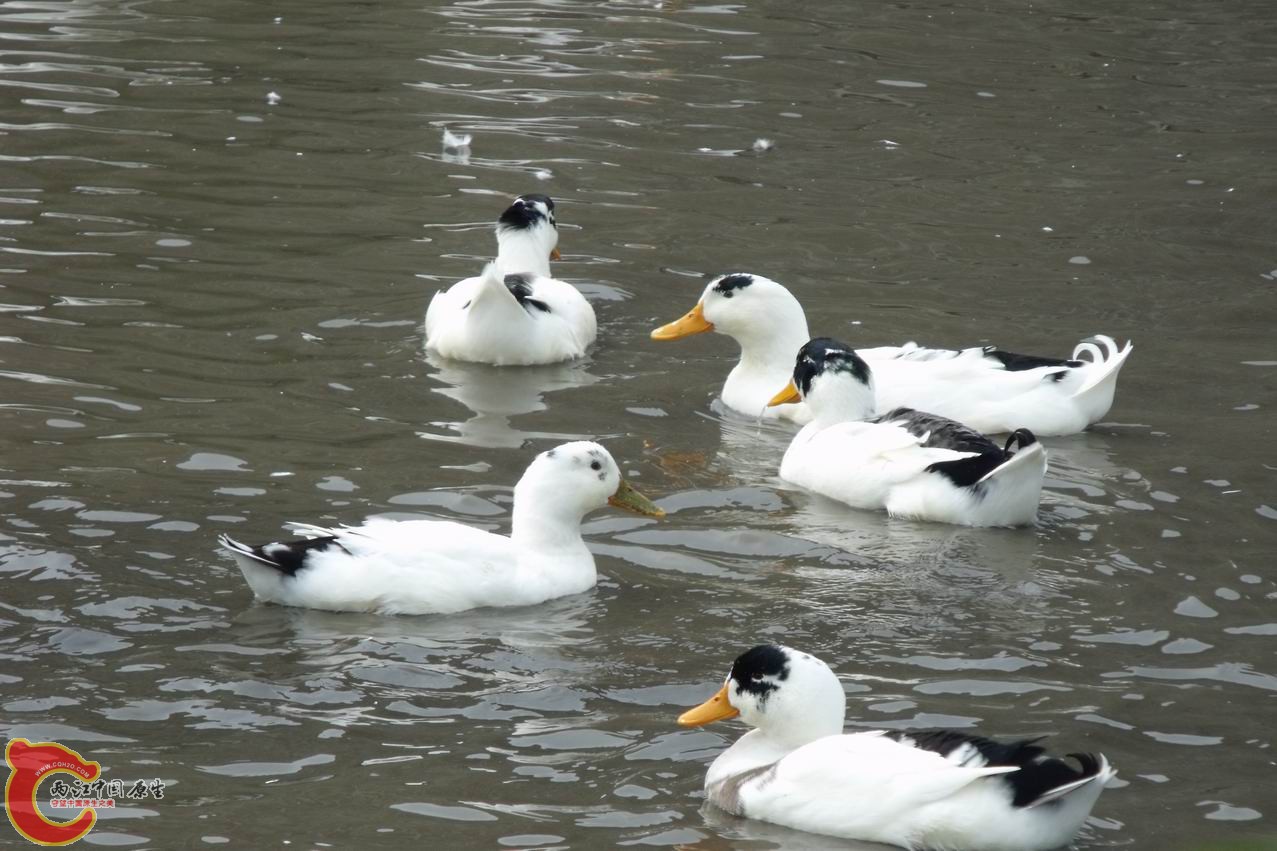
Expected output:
(739, 834)
(496, 395)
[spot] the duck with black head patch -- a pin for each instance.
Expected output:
(944, 789)
(415, 567)
(991, 390)
(913, 464)
(515, 313)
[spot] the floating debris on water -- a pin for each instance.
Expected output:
(455, 141)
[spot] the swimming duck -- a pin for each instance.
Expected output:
(988, 389)
(414, 567)
(514, 313)
(913, 464)
(943, 789)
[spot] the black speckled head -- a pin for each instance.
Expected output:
(727, 285)
(760, 670)
(823, 355)
(527, 211)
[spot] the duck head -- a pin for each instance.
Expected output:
(563, 484)
(788, 695)
(757, 312)
(527, 236)
(833, 380)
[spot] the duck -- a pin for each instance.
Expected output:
(912, 463)
(991, 390)
(514, 313)
(941, 789)
(415, 567)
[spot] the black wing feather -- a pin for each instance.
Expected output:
(521, 288)
(1039, 774)
(944, 433)
(1013, 362)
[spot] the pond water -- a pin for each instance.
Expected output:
(220, 223)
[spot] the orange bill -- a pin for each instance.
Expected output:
(715, 709)
(693, 323)
(786, 396)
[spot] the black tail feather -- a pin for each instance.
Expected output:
(1022, 438)
(288, 557)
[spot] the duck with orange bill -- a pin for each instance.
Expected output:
(515, 312)
(913, 464)
(941, 789)
(988, 389)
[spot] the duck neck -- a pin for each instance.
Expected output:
(840, 399)
(765, 745)
(772, 348)
(523, 252)
(544, 518)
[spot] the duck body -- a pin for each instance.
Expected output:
(986, 388)
(514, 319)
(514, 313)
(429, 566)
(912, 464)
(921, 798)
(995, 391)
(942, 789)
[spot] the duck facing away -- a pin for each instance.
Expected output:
(514, 313)
(913, 464)
(944, 789)
(990, 390)
(416, 567)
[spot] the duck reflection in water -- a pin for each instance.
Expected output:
(495, 396)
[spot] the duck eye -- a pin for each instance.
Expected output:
(595, 465)
(758, 678)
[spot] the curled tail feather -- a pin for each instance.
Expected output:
(1027, 452)
(1106, 362)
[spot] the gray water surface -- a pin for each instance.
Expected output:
(220, 223)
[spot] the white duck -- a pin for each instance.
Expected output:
(514, 313)
(989, 390)
(942, 789)
(416, 567)
(913, 464)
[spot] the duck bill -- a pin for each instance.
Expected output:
(693, 323)
(555, 255)
(631, 500)
(786, 397)
(716, 708)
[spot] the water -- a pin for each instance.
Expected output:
(221, 223)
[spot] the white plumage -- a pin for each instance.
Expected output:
(427, 566)
(911, 463)
(989, 390)
(514, 313)
(939, 790)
